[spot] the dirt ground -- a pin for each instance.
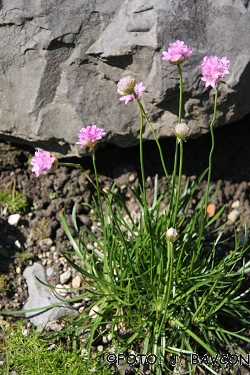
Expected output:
(38, 233)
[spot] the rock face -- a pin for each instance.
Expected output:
(61, 61)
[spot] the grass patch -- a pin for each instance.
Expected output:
(14, 200)
(24, 351)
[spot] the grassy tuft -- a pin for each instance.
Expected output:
(24, 351)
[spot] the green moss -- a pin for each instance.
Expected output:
(25, 352)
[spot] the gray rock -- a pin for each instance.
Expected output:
(41, 296)
(60, 63)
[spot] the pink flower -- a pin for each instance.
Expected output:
(177, 53)
(213, 69)
(89, 136)
(43, 162)
(138, 89)
(126, 85)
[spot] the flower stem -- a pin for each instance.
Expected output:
(172, 222)
(181, 91)
(212, 147)
(78, 166)
(96, 176)
(141, 148)
(155, 137)
(179, 183)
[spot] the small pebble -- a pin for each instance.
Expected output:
(132, 177)
(18, 270)
(62, 290)
(100, 348)
(233, 216)
(17, 244)
(49, 271)
(235, 204)
(65, 276)
(77, 305)
(76, 282)
(14, 219)
(93, 311)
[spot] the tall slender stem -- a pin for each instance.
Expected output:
(97, 183)
(212, 147)
(141, 148)
(179, 183)
(155, 137)
(81, 168)
(170, 221)
(181, 91)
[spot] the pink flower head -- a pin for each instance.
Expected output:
(89, 136)
(213, 69)
(138, 89)
(43, 162)
(126, 85)
(177, 53)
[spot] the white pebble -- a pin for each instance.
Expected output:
(233, 216)
(76, 282)
(93, 311)
(62, 290)
(235, 204)
(17, 244)
(132, 177)
(14, 219)
(49, 271)
(65, 276)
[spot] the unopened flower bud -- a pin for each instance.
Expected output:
(171, 234)
(126, 85)
(181, 130)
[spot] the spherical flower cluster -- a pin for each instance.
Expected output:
(89, 136)
(171, 234)
(177, 53)
(181, 131)
(43, 162)
(127, 87)
(213, 69)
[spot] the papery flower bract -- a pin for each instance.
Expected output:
(128, 98)
(213, 69)
(171, 234)
(89, 136)
(177, 53)
(126, 85)
(181, 131)
(138, 89)
(43, 162)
